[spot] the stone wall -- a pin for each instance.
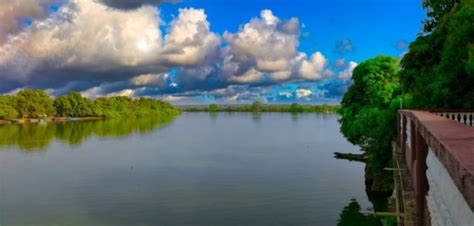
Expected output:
(446, 205)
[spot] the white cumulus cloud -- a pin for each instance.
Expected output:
(189, 41)
(303, 93)
(313, 68)
(101, 47)
(85, 34)
(347, 72)
(267, 46)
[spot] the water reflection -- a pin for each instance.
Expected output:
(294, 116)
(213, 115)
(256, 117)
(351, 215)
(36, 137)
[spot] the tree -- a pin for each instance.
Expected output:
(213, 107)
(63, 106)
(438, 70)
(295, 108)
(256, 106)
(436, 11)
(368, 111)
(34, 104)
(74, 104)
(7, 108)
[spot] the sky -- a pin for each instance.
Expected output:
(199, 51)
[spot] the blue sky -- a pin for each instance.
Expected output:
(338, 33)
(373, 26)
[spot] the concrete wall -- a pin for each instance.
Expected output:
(446, 204)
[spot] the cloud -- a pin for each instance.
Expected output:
(156, 80)
(340, 63)
(85, 40)
(110, 48)
(402, 44)
(347, 72)
(124, 93)
(312, 92)
(132, 4)
(286, 94)
(303, 93)
(313, 68)
(14, 12)
(260, 46)
(266, 49)
(344, 46)
(189, 41)
(236, 94)
(82, 34)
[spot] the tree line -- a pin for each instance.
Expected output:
(436, 72)
(257, 106)
(31, 103)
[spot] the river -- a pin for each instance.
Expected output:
(199, 169)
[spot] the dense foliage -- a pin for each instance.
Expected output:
(33, 104)
(114, 107)
(75, 105)
(436, 72)
(257, 106)
(7, 108)
(213, 108)
(37, 104)
(368, 111)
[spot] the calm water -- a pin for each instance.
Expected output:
(200, 169)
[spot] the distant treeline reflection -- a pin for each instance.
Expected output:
(37, 136)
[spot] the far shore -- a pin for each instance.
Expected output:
(259, 107)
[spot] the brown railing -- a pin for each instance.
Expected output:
(452, 142)
(463, 116)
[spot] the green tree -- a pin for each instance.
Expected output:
(34, 104)
(63, 106)
(74, 104)
(7, 108)
(436, 11)
(116, 107)
(296, 108)
(213, 107)
(438, 70)
(368, 111)
(256, 106)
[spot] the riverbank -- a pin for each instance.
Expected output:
(51, 119)
(36, 105)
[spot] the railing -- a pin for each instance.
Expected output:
(439, 155)
(463, 116)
